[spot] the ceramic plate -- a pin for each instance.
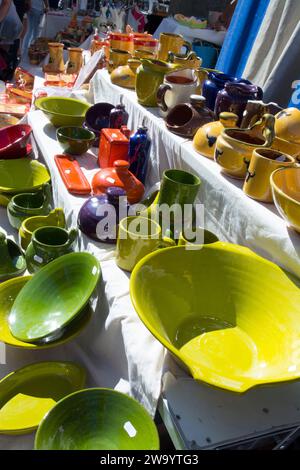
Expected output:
(27, 394)
(22, 175)
(97, 419)
(54, 297)
(8, 292)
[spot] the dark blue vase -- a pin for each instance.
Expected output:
(214, 84)
(138, 155)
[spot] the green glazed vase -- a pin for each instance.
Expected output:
(47, 244)
(150, 75)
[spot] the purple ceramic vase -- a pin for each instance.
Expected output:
(99, 216)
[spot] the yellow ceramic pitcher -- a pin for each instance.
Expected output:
(169, 42)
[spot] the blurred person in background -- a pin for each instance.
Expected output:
(34, 15)
(10, 30)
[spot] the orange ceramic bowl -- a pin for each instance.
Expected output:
(285, 183)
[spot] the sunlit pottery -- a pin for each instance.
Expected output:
(55, 218)
(117, 58)
(285, 183)
(125, 75)
(122, 41)
(169, 42)
(24, 205)
(190, 60)
(12, 261)
(63, 111)
(287, 125)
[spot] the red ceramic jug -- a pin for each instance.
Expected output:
(119, 176)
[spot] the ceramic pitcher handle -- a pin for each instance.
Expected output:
(188, 47)
(161, 96)
(73, 233)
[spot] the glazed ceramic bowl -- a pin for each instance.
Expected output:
(21, 176)
(97, 419)
(75, 140)
(235, 341)
(285, 184)
(14, 140)
(12, 261)
(73, 278)
(63, 111)
(25, 205)
(55, 218)
(27, 394)
(8, 293)
(97, 118)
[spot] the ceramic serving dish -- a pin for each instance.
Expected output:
(231, 341)
(73, 278)
(14, 140)
(27, 394)
(63, 111)
(97, 118)
(8, 293)
(285, 184)
(97, 419)
(12, 261)
(55, 218)
(75, 140)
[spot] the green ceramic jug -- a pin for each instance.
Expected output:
(24, 205)
(12, 262)
(47, 244)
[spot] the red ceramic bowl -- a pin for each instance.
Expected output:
(14, 140)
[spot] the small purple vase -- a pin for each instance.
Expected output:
(99, 216)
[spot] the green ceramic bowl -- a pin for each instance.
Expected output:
(97, 419)
(63, 111)
(75, 140)
(12, 261)
(54, 297)
(27, 394)
(8, 293)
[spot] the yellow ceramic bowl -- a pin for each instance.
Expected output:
(285, 183)
(230, 316)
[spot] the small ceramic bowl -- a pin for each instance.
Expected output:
(14, 140)
(285, 184)
(97, 419)
(75, 140)
(97, 118)
(63, 111)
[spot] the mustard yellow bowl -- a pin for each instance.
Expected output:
(285, 184)
(228, 315)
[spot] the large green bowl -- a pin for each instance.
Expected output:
(27, 394)
(22, 175)
(63, 111)
(54, 297)
(230, 316)
(97, 419)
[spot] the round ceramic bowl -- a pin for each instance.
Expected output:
(231, 341)
(97, 118)
(97, 419)
(75, 140)
(285, 184)
(63, 111)
(14, 140)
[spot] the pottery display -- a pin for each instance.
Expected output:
(97, 419)
(142, 54)
(118, 116)
(285, 184)
(287, 125)
(117, 58)
(73, 278)
(121, 177)
(125, 75)
(176, 88)
(215, 83)
(109, 208)
(203, 73)
(139, 152)
(185, 119)
(234, 97)
(72, 175)
(47, 244)
(169, 42)
(75, 61)
(190, 60)
(55, 218)
(12, 261)
(28, 394)
(14, 140)
(228, 341)
(146, 43)
(63, 111)
(56, 59)
(75, 140)
(150, 75)
(97, 118)
(263, 162)
(121, 41)
(8, 293)
(234, 147)
(24, 205)
(206, 136)
(113, 146)
(199, 236)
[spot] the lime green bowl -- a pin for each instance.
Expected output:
(22, 175)
(63, 111)
(228, 315)
(97, 419)
(75, 140)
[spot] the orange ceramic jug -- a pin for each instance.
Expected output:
(121, 177)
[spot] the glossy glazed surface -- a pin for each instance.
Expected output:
(12, 261)
(55, 296)
(150, 75)
(97, 419)
(125, 75)
(72, 175)
(75, 140)
(285, 183)
(25, 205)
(63, 111)
(55, 218)
(27, 394)
(97, 118)
(231, 341)
(22, 175)
(287, 125)
(14, 140)
(169, 42)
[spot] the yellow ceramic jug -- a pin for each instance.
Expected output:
(117, 57)
(75, 61)
(169, 42)
(125, 76)
(56, 59)
(187, 61)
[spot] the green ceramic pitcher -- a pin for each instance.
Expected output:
(150, 75)
(47, 244)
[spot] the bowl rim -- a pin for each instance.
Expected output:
(59, 134)
(279, 190)
(29, 162)
(39, 102)
(28, 130)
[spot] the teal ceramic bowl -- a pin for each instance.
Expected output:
(97, 419)
(75, 140)
(54, 297)
(63, 111)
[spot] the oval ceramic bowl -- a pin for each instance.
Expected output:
(8, 293)
(22, 175)
(14, 140)
(285, 184)
(97, 419)
(75, 140)
(63, 111)
(234, 319)
(54, 296)
(27, 394)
